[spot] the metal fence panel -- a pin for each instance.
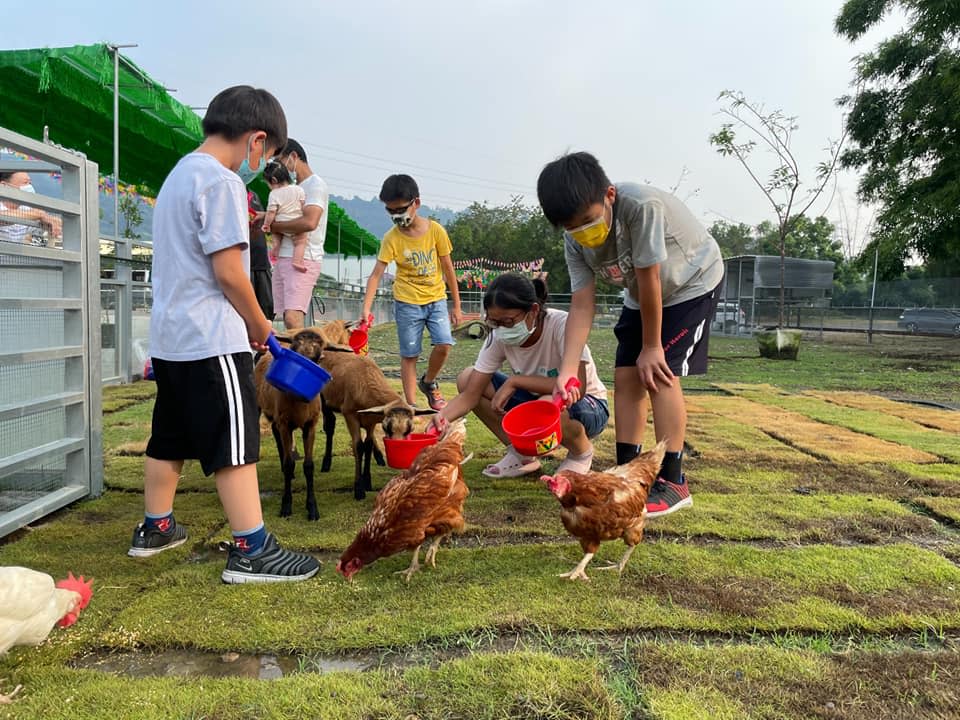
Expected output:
(50, 388)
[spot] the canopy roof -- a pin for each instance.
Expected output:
(70, 91)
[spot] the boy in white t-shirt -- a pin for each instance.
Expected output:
(204, 322)
(284, 203)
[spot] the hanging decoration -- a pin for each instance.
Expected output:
(106, 183)
(477, 273)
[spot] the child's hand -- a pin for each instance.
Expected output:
(439, 422)
(456, 315)
(266, 227)
(502, 397)
(653, 369)
(569, 397)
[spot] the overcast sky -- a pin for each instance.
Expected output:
(472, 98)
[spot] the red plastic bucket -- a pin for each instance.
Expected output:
(293, 373)
(534, 426)
(359, 338)
(402, 452)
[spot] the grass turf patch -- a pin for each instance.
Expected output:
(946, 420)
(905, 433)
(818, 439)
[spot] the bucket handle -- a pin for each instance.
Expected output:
(366, 323)
(275, 349)
(571, 384)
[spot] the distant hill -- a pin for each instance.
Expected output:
(370, 215)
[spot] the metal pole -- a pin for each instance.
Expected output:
(121, 249)
(873, 292)
(339, 255)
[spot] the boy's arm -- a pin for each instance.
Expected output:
(450, 276)
(373, 282)
(651, 364)
(235, 283)
(576, 332)
(305, 224)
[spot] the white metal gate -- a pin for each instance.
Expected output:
(50, 388)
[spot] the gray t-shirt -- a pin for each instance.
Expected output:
(650, 227)
(201, 209)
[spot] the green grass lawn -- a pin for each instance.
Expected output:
(816, 575)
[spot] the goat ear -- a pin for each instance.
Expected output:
(339, 348)
(378, 410)
(424, 411)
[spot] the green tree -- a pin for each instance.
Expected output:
(733, 238)
(132, 215)
(511, 233)
(904, 124)
(772, 131)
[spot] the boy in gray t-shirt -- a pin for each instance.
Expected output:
(649, 242)
(204, 321)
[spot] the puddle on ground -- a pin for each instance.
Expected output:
(191, 663)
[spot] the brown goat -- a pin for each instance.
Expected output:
(359, 391)
(287, 413)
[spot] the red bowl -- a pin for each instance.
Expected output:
(533, 427)
(401, 453)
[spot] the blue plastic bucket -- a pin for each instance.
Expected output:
(293, 373)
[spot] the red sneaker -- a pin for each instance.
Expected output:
(667, 497)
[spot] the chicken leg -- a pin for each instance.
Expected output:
(578, 572)
(431, 557)
(623, 561)
(7, 699)
(414, 565)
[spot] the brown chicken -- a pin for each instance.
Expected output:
(425, 501)
(600, 506)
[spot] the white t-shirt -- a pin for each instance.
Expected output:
(542, 358)
(201, 209)
(316, 193)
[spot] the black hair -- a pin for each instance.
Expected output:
(570, 184)
(399, 187)
(277, 172)
(242, 108)
(4, 176)
(512, 291)
(293, 146)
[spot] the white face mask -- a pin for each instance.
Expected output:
(516, 335)
(402, 219)
(28, 188)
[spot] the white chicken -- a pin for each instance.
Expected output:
(31, 603)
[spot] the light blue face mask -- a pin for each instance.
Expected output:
(516, 335)
(247, 173)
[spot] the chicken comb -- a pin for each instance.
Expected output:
(80, 585)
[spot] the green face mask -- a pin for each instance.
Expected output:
(594, 233)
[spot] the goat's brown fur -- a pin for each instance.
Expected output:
(287, 413)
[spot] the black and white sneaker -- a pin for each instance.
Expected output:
(271, 564)
(148, 541)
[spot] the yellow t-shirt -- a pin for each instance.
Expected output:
(419, 277)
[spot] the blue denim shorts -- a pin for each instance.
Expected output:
(593, 413)
(411, 320)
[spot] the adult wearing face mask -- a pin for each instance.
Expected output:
(292, 288)
(19, 232)
(421, 250)
(530, 338)
(648, 241)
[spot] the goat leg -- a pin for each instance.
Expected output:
(309, 436)
(284, 450)
(378, 456)
(367, 449)
(329, 425)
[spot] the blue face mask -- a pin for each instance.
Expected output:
(247, 173)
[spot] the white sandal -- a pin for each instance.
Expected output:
(512, 465)
(577, 463)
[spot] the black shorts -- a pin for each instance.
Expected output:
(206, 410)
(685, 332)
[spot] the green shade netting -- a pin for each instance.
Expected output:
(70, 90)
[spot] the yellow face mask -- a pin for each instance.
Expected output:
(594, 233)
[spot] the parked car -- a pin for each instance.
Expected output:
(728, 317)
(931, 320)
